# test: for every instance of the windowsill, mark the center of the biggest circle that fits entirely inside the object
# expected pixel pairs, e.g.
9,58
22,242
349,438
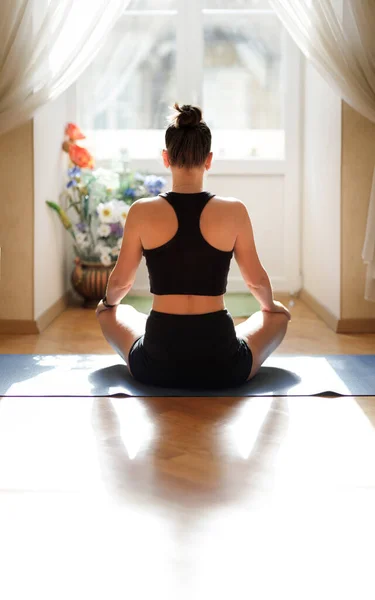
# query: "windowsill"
220,166
234,152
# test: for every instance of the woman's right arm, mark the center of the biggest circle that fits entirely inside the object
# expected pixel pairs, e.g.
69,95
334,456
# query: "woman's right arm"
252,270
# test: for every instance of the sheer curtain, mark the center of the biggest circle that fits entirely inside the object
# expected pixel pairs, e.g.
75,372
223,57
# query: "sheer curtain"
338,37
120,57
45,45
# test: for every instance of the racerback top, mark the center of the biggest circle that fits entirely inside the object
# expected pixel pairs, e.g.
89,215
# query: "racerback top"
187,263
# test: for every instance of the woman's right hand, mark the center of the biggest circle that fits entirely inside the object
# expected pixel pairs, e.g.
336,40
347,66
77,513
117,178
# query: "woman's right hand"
277,307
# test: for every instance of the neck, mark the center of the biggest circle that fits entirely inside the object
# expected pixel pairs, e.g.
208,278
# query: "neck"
187,182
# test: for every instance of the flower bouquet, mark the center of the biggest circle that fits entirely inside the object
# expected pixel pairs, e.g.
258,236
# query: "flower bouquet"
95,203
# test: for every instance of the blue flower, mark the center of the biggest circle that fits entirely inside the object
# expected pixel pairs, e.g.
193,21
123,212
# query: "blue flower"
117,229
82,227
71,183
154,184
130,192
74,171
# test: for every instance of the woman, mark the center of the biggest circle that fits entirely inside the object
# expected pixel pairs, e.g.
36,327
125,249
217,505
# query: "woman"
188,237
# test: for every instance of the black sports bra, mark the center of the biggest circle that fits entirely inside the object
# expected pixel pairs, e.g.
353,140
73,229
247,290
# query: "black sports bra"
187,263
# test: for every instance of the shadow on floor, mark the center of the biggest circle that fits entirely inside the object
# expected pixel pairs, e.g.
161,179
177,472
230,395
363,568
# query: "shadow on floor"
269,380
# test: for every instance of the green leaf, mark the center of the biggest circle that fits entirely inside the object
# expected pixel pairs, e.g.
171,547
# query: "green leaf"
62,214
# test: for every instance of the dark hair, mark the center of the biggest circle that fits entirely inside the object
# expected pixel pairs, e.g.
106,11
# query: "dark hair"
187,138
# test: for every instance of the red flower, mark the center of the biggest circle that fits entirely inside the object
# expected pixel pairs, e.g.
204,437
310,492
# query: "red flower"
66,145
81,157
73,132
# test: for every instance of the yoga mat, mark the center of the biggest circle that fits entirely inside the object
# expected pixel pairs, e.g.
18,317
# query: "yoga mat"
107,375
239,305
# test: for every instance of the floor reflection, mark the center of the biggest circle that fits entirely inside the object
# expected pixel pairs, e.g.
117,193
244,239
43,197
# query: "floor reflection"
251,497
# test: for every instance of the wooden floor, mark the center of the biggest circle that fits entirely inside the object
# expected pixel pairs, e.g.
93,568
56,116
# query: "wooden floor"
187,498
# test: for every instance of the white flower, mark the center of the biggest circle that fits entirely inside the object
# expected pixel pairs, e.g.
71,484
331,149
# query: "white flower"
122,215
105,255
104,230
115,251
121,209
105,259
119,243
82,240
108,212
80,237
97,193
109,179
99,246
105,250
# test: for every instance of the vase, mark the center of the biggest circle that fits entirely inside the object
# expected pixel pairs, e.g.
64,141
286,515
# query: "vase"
90,280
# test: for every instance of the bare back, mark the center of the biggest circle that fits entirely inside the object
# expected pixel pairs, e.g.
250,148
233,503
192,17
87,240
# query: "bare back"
219,225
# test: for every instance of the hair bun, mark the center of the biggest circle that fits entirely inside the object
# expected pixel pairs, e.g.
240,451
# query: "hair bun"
187,115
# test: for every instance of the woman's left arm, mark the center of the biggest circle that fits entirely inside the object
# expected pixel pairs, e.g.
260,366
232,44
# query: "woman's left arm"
123,275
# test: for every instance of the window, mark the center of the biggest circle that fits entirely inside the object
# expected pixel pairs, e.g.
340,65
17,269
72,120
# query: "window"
242,86
228,56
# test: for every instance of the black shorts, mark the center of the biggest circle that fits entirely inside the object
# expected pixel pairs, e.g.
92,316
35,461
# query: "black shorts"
191,351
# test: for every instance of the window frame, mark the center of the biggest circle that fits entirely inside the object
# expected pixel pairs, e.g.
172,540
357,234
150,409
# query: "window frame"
189,74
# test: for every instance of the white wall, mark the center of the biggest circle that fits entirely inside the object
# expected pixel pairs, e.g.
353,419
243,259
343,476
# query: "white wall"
321,192
50,254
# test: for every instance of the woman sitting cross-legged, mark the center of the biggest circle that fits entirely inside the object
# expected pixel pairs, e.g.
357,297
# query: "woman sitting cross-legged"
188,237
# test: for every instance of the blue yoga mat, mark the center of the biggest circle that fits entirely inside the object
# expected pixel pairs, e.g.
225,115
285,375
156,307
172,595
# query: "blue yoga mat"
108,375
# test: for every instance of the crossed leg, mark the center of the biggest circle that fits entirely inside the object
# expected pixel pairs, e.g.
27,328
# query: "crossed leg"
263,332
121,327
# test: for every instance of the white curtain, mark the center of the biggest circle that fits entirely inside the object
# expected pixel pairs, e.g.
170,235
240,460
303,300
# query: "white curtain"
45,45
338,37
124,50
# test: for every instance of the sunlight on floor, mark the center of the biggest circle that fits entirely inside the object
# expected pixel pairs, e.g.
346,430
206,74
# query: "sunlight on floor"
81,493
135,427
247,424
62,374
331,444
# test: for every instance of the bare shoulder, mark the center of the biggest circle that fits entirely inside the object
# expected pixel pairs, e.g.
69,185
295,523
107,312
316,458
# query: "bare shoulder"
149,201
224,204
147,210
143,206
146,201
228,201
233,206
148,204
